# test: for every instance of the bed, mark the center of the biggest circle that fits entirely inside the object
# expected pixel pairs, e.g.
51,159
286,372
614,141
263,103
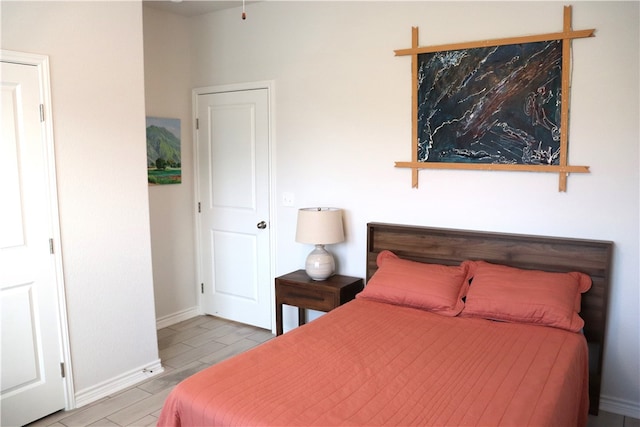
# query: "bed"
425,343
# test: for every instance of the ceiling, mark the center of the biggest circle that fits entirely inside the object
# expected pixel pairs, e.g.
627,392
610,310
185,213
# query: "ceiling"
193,7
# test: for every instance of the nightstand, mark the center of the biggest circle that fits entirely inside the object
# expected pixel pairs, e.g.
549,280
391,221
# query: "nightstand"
298,290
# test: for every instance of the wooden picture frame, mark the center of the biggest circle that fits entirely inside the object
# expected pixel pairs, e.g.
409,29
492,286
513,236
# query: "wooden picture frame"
497,104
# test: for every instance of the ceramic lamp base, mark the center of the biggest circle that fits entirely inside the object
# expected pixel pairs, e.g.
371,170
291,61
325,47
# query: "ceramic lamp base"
320,264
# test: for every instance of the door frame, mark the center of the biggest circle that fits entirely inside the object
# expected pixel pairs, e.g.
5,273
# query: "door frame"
269,85
41,62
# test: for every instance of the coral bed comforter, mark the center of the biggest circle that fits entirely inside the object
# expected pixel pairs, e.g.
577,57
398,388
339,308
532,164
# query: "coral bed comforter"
371,363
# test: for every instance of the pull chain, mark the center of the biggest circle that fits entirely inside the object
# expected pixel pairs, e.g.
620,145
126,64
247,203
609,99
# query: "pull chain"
244,14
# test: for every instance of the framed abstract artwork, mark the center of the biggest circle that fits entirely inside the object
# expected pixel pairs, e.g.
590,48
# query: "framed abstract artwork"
493,105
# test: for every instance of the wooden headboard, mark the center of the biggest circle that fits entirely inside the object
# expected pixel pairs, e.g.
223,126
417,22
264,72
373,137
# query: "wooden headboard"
450,247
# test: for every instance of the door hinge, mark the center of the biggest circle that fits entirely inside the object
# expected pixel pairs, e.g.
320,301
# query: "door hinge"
199,210
202,288
197,124
51,246
41,113
62,373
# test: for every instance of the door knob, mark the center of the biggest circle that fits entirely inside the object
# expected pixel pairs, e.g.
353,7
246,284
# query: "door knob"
262,225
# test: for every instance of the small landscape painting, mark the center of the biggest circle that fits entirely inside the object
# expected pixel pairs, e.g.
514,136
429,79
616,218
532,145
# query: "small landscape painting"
163,151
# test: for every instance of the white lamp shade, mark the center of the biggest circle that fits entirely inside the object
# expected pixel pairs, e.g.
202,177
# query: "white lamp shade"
319,226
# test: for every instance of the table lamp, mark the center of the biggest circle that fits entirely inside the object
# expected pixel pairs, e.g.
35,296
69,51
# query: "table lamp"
319,227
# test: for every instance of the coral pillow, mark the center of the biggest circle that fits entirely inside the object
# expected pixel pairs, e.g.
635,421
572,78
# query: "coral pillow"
432,287
510,294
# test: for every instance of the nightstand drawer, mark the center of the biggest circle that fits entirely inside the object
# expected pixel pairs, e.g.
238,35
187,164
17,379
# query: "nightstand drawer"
316,300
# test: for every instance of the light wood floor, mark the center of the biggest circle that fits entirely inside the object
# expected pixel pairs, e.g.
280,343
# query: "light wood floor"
186,348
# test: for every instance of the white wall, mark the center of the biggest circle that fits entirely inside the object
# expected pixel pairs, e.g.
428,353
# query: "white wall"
97,82
168,94
342,118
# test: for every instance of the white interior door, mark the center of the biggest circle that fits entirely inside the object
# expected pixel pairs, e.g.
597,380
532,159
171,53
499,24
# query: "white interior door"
32,383
233,193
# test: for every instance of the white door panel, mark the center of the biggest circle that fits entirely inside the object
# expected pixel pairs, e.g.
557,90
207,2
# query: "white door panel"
11,226
233,279
31,381
233,183
18,310
232,152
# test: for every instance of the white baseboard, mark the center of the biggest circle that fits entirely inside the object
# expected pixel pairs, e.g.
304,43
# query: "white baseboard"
116,384
178,317
620,406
